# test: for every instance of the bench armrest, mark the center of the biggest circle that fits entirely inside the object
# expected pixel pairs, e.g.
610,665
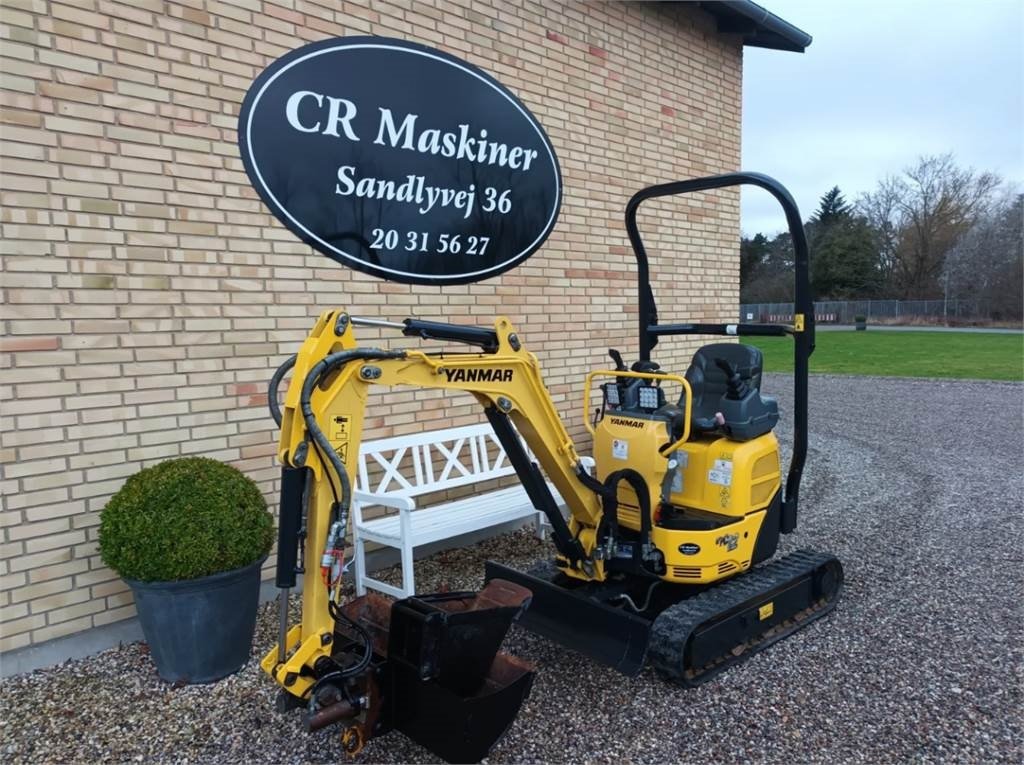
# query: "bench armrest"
387,500
404,505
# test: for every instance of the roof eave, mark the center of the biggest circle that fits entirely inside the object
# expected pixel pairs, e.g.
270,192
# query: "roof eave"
759,27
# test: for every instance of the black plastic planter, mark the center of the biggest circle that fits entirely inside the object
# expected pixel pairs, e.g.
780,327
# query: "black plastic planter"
200,630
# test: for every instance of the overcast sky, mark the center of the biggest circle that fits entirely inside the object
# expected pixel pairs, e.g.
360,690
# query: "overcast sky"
882,83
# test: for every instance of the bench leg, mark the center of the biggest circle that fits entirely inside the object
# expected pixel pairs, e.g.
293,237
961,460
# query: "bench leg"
360,555
408,583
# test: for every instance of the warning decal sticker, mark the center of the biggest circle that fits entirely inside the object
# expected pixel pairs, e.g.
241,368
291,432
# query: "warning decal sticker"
341,430
340,427
620,449
721,473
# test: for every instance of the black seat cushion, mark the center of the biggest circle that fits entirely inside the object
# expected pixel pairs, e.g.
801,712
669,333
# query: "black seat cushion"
709,384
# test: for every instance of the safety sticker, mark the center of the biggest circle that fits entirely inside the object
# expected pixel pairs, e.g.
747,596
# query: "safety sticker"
620,449
721,473
341,430
340,427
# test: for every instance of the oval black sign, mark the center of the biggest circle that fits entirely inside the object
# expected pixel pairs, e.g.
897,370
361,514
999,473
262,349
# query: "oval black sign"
689,548
400,160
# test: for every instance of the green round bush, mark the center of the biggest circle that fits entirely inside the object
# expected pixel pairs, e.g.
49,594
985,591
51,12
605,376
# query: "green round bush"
183,519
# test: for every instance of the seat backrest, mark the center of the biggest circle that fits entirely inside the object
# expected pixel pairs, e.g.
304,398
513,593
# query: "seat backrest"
709,383
435,460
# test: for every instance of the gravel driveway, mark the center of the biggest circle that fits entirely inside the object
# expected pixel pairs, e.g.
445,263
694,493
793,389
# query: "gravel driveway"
916,485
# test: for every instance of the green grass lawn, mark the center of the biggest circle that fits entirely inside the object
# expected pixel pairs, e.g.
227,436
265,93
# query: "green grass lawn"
966,355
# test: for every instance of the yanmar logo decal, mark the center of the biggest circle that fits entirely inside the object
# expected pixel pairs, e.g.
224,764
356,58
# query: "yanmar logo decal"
478,375
627,423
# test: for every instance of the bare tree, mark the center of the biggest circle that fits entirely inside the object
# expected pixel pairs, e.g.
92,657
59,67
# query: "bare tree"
879,208
987,263
921,215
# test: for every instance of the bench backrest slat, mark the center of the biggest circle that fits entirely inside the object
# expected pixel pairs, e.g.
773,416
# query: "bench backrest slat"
435,460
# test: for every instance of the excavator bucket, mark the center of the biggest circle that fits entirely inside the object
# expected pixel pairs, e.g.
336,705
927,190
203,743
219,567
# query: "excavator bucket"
446,684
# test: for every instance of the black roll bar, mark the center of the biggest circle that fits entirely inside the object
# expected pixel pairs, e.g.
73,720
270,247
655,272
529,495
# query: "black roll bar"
802,330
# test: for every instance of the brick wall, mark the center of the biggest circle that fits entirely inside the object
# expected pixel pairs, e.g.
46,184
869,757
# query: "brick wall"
147,294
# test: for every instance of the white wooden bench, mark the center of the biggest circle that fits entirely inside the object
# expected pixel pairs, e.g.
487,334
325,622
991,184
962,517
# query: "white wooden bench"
392,471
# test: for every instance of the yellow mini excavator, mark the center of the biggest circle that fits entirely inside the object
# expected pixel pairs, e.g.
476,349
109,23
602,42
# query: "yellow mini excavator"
664,559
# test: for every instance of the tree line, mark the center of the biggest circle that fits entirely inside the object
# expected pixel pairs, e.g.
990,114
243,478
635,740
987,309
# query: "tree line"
936,230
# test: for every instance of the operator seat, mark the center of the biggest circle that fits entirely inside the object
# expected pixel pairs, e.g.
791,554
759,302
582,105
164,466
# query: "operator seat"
746,414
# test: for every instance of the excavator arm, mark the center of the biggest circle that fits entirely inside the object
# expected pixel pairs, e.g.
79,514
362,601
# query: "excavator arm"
322,422
323,430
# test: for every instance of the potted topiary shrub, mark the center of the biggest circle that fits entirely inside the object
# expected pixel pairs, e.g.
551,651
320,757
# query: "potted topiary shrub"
189,537
861,322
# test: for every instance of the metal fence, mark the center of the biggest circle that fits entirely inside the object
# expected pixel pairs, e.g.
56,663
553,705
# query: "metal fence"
884,311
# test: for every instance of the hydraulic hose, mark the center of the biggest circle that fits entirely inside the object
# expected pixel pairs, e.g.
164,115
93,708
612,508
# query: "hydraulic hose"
319,370
647,600
608,491
275,383
339,675
324,367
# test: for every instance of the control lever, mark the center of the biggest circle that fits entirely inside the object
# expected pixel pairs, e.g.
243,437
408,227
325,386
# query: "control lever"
648,367
738,388
620,366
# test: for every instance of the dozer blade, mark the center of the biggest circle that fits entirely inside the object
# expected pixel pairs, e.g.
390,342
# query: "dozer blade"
448,688
569,616
695,637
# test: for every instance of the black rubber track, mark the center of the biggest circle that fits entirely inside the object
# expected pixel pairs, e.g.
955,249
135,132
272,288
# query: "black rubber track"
676,626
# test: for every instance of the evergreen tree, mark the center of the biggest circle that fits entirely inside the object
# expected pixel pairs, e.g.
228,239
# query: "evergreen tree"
831,209
766,269
844,261
753,253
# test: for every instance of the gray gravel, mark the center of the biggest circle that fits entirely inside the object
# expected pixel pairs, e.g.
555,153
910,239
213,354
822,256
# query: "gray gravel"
916,485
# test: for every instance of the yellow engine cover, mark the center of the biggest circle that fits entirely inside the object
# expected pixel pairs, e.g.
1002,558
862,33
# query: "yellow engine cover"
734,478
623,441
728,477
712,474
